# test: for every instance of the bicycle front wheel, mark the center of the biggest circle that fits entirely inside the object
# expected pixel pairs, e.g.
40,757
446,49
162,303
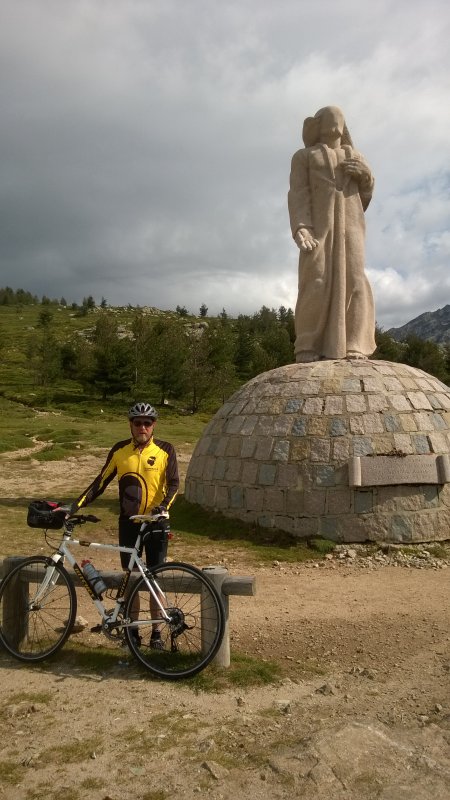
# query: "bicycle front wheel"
185,643
38,606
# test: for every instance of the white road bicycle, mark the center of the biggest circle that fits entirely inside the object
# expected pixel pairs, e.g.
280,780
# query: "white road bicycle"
38,605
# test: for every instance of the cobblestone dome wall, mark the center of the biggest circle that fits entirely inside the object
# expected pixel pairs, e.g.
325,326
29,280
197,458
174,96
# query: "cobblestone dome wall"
277,452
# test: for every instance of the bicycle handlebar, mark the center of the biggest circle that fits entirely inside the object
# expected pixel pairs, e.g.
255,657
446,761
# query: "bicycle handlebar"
150,517
80,519
74,519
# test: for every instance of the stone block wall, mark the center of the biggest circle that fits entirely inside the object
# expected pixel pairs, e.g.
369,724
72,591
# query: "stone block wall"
277,452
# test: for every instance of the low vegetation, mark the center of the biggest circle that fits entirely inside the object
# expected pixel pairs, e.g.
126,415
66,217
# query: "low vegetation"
194,525
66,357
71,431
75,358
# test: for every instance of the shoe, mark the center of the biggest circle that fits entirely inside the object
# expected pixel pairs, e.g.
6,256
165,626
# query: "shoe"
135,637
156,643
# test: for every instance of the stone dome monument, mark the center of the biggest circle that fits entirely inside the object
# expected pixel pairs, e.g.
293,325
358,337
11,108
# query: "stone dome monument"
334,445
351,451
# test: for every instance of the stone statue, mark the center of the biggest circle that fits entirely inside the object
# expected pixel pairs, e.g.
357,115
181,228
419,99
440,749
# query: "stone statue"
330,188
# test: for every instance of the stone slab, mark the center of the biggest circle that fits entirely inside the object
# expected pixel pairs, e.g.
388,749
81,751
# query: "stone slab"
394,470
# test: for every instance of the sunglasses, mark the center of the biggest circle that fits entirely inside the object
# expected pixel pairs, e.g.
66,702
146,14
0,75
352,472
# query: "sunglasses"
146,423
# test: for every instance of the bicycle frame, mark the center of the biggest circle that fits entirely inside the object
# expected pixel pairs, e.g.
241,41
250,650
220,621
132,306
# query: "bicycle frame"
135,563
170,616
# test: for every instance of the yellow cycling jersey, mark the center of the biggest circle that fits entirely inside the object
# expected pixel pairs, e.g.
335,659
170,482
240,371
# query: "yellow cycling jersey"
147,477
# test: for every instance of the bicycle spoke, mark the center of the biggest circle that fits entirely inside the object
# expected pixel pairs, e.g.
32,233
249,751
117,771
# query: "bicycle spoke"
32,629
189,640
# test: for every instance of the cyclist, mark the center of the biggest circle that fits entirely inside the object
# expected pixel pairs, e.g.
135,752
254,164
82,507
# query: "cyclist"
147,472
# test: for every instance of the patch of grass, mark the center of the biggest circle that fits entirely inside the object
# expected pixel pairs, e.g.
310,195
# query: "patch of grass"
247,671
21,426
439,550
164,730
244,672
308,668
191,525
29,697
10,772
193,522
87,425
56,452
91,783
270,713
59,442
90,659
13,440
72,752
16,538
322,546
49,792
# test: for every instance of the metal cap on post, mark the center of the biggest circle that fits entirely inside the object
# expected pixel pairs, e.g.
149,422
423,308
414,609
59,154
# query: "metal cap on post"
217,576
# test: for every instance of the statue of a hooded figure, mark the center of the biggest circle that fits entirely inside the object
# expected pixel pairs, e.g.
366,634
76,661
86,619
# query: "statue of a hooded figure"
331,186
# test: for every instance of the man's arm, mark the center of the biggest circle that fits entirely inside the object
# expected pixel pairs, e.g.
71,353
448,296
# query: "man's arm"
172,480
99,484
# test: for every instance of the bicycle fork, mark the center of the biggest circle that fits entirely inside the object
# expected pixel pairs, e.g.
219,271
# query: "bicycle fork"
49,581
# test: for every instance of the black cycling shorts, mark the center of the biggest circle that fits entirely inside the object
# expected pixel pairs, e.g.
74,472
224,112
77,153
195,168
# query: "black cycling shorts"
155,545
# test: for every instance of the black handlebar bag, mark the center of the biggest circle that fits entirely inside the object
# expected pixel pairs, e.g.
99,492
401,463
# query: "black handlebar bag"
41,514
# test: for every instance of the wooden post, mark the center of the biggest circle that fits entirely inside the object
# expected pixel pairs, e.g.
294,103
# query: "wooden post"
217,576
15,600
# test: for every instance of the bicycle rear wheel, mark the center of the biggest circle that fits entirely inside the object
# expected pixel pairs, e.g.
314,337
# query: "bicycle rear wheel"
193,634
38,606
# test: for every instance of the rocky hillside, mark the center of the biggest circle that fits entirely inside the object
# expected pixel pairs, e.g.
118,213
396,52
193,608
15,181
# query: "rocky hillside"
432,325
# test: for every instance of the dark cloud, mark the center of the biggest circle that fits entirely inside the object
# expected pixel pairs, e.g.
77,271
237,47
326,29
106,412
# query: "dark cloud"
145,147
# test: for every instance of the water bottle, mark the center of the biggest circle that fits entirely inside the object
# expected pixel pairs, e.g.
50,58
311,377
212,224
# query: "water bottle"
93,577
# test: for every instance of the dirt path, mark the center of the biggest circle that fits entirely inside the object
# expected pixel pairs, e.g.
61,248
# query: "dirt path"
363,710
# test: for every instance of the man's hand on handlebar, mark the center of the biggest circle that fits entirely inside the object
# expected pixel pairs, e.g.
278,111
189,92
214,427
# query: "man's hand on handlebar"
66,508
69,510
152,516
159,511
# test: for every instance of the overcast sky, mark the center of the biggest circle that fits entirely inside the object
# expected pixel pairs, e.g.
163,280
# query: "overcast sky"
145,146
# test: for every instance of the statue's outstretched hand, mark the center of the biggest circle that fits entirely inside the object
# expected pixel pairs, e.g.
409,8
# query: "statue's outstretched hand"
305,240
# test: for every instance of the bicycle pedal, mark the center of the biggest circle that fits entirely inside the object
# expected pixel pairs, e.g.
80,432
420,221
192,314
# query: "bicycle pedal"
97,629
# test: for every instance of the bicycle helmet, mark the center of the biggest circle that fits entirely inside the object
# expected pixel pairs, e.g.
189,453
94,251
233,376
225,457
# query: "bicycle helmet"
142,410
